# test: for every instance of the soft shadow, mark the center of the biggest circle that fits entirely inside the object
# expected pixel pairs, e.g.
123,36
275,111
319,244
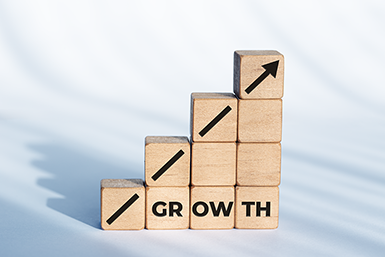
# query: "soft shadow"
77,177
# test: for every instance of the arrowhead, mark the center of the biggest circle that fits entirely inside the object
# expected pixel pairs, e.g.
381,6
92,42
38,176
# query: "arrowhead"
271,68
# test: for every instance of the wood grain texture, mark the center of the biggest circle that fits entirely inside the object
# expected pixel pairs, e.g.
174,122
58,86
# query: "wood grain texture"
248,67
258,164
114,194
203,199
159,151
205,107
260,120
247,200
213,164
158,204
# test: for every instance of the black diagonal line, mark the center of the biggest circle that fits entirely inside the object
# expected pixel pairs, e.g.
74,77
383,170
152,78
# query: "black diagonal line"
215,121
167,165
122,209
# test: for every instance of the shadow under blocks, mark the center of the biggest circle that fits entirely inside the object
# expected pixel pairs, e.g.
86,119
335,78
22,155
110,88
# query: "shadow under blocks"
75,176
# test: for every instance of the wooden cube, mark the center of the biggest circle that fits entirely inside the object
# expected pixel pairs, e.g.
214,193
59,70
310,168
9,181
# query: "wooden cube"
258,164
167,207
256,207
213,117
167,161
122,204
258,74
260,120
212,207
213,164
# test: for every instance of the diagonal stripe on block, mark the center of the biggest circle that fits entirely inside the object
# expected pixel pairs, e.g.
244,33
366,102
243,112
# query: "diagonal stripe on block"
214,122
168,164
122,209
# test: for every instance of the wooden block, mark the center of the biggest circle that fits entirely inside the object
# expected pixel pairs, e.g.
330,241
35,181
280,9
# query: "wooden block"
256,207
260,120
258,164
258,74
213,164
167,207
212,207
122,204
213,117
167,161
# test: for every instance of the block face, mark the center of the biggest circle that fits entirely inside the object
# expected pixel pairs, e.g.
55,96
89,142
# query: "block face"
213,117
122,204
256,207
258,164
258,67
260,120
167,161
213,164
212,207
167,207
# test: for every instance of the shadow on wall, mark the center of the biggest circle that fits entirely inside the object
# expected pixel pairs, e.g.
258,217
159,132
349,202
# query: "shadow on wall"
77,177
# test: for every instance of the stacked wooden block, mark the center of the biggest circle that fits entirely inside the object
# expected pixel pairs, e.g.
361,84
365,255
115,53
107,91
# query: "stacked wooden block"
258,82
227,175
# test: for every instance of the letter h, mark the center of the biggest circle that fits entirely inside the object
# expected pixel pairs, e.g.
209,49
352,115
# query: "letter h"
266,209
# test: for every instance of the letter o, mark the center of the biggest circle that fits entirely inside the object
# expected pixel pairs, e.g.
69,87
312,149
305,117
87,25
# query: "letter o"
205,209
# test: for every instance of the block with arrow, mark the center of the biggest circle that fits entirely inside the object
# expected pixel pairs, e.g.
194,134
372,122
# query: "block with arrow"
258,74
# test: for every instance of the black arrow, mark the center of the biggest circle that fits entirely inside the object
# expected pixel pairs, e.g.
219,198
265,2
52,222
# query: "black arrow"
270,68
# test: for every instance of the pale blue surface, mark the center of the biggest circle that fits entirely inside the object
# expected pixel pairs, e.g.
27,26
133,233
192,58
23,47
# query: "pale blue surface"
83,82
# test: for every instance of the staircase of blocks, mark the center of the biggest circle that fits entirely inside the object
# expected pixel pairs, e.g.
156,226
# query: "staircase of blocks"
226,174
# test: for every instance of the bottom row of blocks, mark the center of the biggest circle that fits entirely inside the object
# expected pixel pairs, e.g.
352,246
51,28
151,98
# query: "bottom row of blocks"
127,205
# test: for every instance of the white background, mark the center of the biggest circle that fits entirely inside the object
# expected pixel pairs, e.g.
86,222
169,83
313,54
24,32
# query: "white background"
83,82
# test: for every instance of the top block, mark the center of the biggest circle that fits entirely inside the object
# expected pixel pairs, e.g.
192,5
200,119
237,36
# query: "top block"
258,74
214,117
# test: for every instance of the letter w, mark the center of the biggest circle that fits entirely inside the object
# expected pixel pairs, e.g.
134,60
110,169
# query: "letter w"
221,207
